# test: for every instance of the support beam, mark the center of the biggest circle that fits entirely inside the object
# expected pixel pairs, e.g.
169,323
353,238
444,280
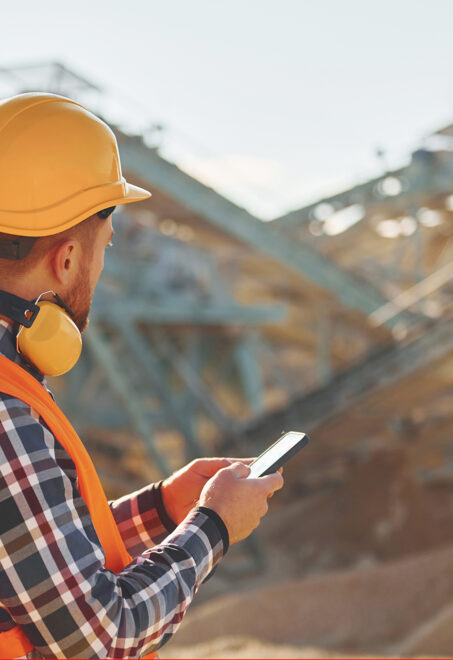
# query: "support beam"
193,381
359,194
147,164
128,396
414,295
324,362
424,175
250,373
180,311
144,354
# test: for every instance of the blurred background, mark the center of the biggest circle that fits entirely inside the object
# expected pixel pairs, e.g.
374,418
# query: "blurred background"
293,270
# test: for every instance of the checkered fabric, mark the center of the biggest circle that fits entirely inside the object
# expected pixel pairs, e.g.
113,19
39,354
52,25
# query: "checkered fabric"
52,580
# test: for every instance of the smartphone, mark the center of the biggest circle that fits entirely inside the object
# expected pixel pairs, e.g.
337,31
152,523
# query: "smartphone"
277,454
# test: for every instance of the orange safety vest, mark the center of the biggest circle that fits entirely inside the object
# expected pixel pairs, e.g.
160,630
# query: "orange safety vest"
18,383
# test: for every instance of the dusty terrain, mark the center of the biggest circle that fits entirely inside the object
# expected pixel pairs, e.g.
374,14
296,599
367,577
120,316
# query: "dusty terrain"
247,647
358,568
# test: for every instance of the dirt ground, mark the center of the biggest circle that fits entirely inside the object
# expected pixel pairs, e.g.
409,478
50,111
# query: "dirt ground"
247,647
358,567
381,610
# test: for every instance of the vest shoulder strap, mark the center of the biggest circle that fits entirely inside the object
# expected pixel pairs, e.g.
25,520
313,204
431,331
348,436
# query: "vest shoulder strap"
17,382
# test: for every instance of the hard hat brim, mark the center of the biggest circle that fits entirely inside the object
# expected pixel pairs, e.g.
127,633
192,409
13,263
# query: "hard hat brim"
46,222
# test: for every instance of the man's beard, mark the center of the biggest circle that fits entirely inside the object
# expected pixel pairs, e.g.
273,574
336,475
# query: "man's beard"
79,301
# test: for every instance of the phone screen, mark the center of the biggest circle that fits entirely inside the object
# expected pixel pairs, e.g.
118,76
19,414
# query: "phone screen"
271,456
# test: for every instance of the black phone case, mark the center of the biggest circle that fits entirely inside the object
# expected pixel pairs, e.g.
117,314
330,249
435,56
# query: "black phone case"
281,461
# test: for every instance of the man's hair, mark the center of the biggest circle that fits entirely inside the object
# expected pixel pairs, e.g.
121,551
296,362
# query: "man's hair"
85,232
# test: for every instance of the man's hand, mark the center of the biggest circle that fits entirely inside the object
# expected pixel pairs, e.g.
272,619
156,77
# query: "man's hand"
181,491
240,502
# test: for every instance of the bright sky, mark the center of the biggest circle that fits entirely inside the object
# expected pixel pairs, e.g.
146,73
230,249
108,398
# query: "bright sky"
273,102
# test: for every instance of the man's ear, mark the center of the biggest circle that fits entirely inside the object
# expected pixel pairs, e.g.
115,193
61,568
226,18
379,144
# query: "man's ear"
64,261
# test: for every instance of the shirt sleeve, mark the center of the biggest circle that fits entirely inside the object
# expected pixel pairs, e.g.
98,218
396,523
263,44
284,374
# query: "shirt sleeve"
142,519
52,577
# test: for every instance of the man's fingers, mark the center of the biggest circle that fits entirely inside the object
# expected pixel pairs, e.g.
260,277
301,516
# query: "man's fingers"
240,470
245,461
272,482
209,466
217,462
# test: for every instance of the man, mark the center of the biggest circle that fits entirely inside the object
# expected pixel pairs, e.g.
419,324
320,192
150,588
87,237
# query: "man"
79,577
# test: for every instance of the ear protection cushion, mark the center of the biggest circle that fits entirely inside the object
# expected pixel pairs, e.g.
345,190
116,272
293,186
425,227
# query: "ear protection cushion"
53,343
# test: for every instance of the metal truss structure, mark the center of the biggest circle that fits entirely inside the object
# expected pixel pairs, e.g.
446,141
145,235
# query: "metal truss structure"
212,325
402,242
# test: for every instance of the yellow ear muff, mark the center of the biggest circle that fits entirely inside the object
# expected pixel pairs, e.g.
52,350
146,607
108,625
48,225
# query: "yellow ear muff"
53,343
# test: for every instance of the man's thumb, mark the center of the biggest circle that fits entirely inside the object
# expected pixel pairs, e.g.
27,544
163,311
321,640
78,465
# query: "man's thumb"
240,470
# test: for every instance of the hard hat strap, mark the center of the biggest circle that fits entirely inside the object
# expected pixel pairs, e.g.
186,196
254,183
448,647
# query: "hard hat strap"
17,248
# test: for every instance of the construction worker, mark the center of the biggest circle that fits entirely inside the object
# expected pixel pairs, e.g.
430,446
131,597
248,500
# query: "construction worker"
80,577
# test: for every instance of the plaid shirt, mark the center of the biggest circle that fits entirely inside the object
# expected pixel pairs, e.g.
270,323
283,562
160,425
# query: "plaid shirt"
52,580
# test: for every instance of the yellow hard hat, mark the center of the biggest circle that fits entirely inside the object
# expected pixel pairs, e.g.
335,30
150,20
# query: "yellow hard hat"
59,164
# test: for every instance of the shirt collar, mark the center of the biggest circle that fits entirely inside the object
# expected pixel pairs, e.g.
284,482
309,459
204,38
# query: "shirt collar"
8,349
